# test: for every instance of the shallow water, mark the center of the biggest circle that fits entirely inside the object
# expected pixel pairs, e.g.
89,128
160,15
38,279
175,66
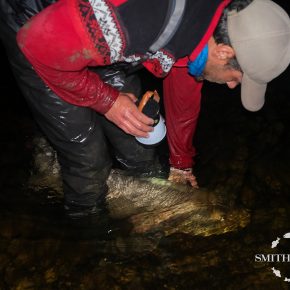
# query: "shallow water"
243,154
41,250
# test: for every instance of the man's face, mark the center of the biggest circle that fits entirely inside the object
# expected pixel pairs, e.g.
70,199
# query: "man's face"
218,68
221,74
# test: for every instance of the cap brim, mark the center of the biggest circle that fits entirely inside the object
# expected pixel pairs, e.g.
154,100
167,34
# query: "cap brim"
252,94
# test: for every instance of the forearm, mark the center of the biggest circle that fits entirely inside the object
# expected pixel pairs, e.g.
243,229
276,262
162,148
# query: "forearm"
61,58
81,88
182,105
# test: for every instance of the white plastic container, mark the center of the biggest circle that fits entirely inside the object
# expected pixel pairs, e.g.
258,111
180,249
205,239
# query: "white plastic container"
156,135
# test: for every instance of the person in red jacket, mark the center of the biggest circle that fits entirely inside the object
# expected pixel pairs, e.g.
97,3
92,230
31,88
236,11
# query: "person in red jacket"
217,40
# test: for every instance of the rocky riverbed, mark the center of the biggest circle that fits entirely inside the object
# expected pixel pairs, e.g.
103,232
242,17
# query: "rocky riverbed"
241,154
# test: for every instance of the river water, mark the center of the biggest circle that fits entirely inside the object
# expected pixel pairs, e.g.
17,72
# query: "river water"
243,154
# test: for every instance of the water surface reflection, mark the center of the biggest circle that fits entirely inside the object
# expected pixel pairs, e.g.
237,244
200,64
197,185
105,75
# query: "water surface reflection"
243,155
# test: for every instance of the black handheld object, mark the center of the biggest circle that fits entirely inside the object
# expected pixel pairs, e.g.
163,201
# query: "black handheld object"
151,109
149,105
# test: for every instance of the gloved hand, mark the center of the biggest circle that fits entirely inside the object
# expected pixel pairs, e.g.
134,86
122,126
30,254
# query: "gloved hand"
183,176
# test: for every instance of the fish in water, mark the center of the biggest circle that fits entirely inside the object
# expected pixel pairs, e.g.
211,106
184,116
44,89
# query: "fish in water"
159,205
151,205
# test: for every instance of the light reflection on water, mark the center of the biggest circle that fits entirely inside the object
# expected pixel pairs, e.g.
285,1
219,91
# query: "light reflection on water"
245,154
40,249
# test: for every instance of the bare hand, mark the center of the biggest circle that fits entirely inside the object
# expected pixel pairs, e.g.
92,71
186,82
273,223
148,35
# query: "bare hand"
183,176
125,114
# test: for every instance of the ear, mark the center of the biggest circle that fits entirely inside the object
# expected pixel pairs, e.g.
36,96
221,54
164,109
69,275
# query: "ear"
223,52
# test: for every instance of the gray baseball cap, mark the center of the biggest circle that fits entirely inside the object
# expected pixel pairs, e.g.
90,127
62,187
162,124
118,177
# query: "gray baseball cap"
260,36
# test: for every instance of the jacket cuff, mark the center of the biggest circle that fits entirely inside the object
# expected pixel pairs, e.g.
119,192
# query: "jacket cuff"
107,100
181,162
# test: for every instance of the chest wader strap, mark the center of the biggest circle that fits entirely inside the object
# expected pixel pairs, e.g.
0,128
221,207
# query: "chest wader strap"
173,19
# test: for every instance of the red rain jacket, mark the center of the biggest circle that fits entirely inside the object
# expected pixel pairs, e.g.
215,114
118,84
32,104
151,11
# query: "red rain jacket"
69,36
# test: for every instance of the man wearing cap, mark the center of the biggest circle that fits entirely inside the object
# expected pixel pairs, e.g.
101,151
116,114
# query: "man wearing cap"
251,46
183,42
